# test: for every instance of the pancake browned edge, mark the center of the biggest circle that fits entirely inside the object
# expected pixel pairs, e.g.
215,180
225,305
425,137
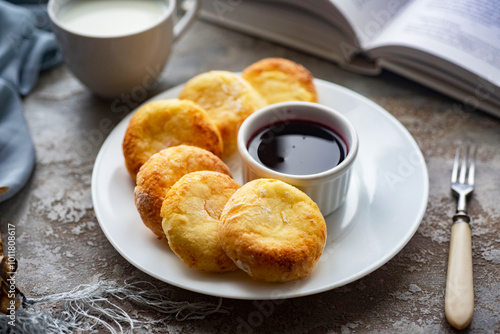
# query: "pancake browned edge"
165,123
280,80
272,231
162,171
228,100
191,212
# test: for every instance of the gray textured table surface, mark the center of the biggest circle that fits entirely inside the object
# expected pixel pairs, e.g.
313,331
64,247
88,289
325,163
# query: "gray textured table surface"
60,244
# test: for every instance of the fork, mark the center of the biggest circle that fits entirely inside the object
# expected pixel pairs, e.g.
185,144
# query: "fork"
459,297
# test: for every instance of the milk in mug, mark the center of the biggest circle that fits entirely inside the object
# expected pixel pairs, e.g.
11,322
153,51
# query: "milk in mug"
108,18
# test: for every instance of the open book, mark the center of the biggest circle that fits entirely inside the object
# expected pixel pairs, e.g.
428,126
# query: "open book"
448,45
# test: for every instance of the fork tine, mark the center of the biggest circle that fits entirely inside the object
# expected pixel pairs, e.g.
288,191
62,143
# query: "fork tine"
454,172
472,166
463,166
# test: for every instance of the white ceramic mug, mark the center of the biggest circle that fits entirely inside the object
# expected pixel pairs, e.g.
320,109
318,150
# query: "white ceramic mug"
328,188
119,62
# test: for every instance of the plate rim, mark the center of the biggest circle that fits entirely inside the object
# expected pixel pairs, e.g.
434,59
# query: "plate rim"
359,274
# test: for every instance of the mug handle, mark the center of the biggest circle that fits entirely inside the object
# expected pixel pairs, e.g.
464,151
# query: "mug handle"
187,19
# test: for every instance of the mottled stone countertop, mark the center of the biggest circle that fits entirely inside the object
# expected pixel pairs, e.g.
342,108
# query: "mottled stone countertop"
60,244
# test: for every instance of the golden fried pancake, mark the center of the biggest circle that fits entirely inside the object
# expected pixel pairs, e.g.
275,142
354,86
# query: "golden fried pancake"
191,212
161,172
280,80
227,98
272,231
161,124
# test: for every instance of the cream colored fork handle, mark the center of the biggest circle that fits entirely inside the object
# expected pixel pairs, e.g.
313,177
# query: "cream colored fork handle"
459,297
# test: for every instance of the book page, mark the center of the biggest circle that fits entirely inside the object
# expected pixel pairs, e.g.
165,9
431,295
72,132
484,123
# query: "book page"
368,18
296,25
272,20
465,33
324,9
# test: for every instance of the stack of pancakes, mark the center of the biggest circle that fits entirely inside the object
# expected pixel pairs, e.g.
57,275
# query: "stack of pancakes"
184,191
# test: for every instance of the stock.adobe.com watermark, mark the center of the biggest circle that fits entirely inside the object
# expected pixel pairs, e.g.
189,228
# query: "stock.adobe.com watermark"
120,106
264,309
404,169
221,7
11,267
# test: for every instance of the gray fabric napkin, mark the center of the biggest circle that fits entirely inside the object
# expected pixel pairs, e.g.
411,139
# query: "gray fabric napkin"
25,50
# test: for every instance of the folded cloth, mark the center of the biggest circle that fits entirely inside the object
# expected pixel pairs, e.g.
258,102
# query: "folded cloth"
25,50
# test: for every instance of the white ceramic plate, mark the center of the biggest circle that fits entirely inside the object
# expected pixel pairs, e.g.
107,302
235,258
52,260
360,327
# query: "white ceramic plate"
385,204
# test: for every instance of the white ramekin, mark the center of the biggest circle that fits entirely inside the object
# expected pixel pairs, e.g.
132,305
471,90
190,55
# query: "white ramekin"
329,188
